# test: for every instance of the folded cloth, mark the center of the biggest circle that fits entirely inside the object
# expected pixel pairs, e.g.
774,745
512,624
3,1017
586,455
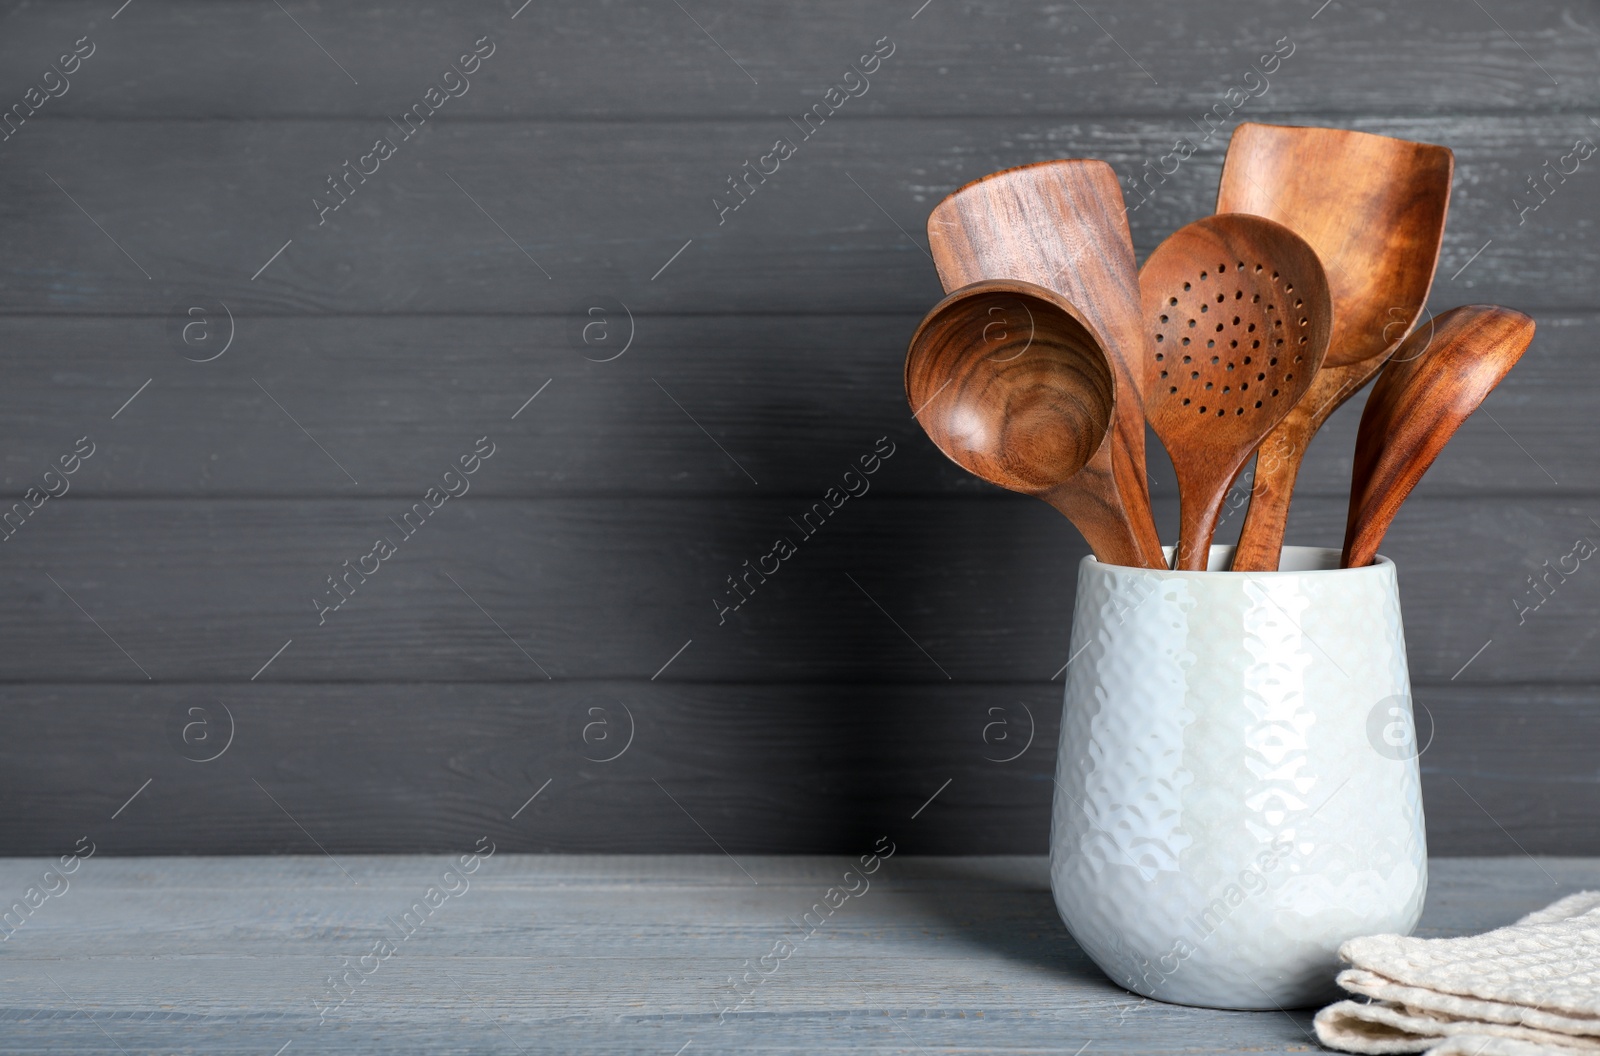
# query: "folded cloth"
1529,989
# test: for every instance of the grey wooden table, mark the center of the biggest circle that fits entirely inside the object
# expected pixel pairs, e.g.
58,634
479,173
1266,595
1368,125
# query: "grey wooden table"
608,954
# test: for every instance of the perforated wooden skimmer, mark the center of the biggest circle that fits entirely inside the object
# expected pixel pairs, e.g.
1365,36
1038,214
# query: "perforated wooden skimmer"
1238,315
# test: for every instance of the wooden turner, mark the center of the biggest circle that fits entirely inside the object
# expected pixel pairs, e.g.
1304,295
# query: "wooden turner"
1062,225
1238,312
1373,208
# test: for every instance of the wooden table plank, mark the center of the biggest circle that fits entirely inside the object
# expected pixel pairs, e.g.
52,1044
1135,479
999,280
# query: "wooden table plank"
601,206
393,398
184,58
612,588
613,954
408,768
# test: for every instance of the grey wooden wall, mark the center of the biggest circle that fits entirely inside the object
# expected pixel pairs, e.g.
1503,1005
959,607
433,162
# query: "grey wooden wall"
553,630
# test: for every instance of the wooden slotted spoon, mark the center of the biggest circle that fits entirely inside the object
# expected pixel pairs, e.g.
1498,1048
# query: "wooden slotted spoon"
1373,208
1438,377
1238,313
1062,225
1013,385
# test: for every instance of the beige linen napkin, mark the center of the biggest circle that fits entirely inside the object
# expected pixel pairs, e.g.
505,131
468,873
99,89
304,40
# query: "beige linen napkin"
1529,989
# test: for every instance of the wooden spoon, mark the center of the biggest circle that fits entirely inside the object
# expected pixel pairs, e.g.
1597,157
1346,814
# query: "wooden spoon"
1373,208
1438,377
1063,226
1239,313
1013,385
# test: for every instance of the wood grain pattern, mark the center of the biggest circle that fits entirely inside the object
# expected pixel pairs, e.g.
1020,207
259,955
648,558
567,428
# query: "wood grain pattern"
1011,383
197,58
1062,225
209,591
392,398
766,768
1435,380
1238,315
600,955
1373,208
203,204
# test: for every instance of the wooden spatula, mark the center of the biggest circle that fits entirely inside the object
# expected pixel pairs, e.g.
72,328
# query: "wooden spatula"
1373,208
1062,225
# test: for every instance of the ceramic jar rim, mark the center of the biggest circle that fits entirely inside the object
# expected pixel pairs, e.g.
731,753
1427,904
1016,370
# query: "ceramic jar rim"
1325,553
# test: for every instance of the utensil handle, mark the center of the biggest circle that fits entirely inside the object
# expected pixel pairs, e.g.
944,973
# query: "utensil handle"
1200,496
1278,462
1093,502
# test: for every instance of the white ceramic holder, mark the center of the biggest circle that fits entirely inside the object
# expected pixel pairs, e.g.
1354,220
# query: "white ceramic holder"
1237,789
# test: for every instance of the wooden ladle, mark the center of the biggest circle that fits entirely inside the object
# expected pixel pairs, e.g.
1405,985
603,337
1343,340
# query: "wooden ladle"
1063,226
1238,312
1013,385
1373,208
1435,380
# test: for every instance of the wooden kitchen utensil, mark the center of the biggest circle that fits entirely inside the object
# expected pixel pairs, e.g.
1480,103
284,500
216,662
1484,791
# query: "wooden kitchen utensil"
1012,384
1238,313
1373,208
1439,376
1063,226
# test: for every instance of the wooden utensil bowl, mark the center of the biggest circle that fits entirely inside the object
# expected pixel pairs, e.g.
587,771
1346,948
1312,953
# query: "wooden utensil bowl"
1012,388
1231,347
1219,350
1237,342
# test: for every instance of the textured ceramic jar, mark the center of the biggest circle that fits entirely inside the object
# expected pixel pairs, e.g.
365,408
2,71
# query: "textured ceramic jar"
1237,789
